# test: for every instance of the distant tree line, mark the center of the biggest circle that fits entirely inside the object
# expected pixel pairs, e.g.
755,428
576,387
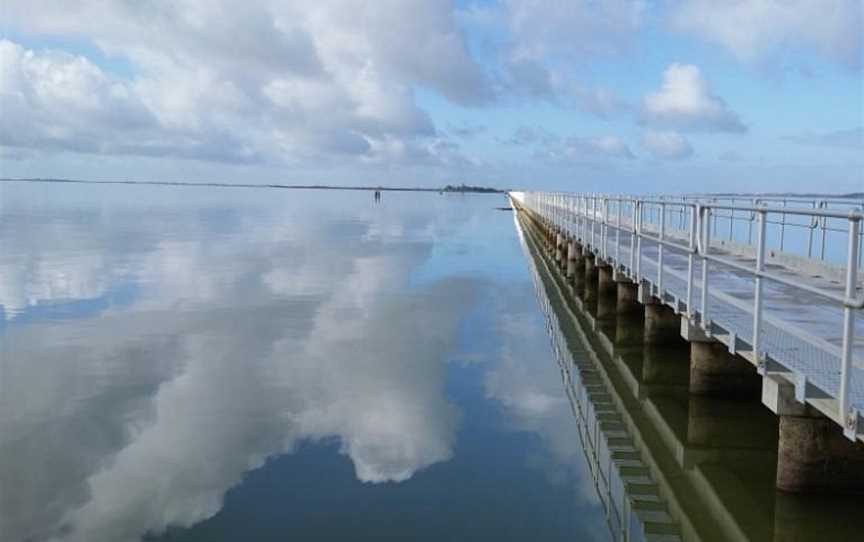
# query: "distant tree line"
468,188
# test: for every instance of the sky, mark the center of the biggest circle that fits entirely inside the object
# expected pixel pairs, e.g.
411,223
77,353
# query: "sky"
620,96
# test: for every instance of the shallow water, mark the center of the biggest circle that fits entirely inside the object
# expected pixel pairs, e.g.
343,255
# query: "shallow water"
241,364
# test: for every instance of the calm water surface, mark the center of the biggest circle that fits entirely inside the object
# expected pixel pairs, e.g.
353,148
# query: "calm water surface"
201,364
228,364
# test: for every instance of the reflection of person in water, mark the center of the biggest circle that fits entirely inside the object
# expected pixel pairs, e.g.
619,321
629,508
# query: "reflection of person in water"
377,196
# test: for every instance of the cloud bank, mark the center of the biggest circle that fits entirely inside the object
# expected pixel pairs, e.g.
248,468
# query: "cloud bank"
760,29
265,82
685,102
667,145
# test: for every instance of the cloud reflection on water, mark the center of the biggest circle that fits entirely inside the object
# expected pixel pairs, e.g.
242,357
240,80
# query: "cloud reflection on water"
245,330
143,416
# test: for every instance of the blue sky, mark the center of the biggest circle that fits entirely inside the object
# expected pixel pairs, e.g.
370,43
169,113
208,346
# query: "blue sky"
615,95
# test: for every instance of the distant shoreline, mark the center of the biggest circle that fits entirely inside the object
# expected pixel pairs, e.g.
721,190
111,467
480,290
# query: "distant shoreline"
449,189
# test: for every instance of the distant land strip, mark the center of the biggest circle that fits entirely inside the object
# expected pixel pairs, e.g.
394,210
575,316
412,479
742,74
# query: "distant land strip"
448,188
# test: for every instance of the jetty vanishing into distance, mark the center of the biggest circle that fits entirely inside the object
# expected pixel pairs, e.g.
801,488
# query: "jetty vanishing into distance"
764,290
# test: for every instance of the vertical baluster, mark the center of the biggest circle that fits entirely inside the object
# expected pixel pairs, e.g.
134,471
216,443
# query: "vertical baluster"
606,229
757,297
706,239
690,262
754,203
824,236
618,234
849,419
731,224
633,212
638,242
660,248
783,227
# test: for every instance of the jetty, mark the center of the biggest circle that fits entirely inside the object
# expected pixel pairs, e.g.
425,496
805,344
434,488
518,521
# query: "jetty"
764,292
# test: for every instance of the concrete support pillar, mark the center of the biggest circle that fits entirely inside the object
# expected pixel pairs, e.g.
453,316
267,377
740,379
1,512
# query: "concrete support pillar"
590,266
606,310
662,325
813,456
590,284
664,366
628,300
605,284
571,260
565,256
559,242
629,329
716,372
578,279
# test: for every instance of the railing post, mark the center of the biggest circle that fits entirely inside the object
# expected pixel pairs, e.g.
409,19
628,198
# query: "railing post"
824,231
577,204
705,226
757,297
618,234
585,223
633,214
606,229
783,228
660,247
848,417
754,203
690,262
638,230
732,224
555,210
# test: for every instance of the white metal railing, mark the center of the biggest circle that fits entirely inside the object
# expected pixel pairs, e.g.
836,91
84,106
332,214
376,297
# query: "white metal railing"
793,242
812,231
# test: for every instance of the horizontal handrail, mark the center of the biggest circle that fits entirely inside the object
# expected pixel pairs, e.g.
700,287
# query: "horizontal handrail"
850,214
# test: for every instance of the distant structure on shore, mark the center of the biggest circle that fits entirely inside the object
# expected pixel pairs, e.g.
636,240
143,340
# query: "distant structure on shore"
449,188
467,188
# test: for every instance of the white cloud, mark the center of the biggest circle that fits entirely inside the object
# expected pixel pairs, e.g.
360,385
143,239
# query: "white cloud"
261,82
600,102
546,37
667,145
758,29
531,78
530,135
852,138
685,102
555,147
543,28
602,146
